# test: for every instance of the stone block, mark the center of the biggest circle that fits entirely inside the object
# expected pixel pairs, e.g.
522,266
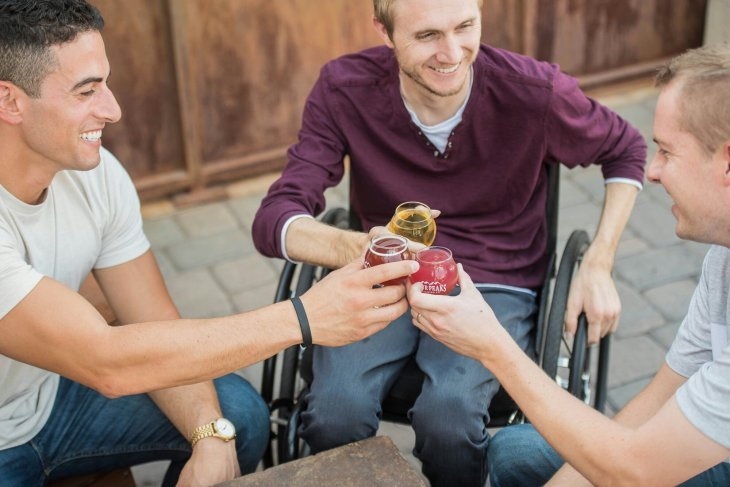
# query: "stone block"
204,251
375,462
633,359
206,220
658,267
197,295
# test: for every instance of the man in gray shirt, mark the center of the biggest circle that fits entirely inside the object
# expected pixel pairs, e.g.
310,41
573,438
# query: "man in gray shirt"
677,430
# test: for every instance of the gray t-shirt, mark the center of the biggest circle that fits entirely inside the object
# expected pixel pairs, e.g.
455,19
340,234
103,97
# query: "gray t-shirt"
89,220
701,352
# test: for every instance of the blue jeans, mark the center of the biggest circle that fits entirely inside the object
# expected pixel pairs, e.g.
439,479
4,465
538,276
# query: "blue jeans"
520,457
450,415
87,432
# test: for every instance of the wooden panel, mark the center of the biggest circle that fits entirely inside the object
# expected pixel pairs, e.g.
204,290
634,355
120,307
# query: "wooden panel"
148,138
503,24
591,36
251,64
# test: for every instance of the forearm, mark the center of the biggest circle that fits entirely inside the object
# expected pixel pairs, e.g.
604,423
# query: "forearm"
188,407
618,203
314,242
197,349
145,355
571,427
639,410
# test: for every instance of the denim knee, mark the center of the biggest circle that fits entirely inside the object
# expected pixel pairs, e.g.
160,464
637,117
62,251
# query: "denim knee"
338,419
519,456
247,410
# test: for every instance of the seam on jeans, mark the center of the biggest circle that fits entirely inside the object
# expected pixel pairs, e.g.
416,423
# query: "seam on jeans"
162,448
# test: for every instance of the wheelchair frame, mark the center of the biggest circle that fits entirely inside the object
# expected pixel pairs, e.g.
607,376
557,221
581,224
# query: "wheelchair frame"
581,370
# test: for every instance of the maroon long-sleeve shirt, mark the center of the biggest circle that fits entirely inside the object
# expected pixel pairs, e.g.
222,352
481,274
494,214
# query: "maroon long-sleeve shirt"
490,183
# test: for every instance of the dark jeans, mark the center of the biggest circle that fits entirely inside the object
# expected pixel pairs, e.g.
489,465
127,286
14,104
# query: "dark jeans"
520,457
450,415
88,432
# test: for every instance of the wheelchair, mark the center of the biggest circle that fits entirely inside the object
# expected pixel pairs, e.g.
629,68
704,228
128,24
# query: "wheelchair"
578,368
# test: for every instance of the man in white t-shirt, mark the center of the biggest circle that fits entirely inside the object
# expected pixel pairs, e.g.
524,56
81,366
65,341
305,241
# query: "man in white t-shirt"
72,388
677,430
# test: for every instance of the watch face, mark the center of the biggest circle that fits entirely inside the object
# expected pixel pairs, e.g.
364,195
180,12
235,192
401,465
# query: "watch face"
225,427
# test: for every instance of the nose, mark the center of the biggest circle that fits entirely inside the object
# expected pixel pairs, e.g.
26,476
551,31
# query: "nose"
108,108
450,50
653,172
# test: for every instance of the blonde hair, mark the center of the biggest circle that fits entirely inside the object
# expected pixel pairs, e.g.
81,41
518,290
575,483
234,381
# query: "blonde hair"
704,77
383,12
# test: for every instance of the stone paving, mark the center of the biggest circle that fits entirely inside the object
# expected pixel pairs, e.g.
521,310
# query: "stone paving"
212,268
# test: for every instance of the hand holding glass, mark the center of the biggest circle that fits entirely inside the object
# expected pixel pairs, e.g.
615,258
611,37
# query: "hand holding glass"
413,220
384,249
437,270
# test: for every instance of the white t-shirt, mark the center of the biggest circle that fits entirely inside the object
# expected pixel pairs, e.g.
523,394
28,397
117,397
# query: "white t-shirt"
89,219
701,352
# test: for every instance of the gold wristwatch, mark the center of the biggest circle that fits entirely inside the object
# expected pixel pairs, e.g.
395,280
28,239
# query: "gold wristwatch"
220,428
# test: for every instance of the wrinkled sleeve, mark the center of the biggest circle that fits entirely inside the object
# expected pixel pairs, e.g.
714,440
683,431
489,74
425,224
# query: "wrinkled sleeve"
692,345
703,399
314,164
123,237
17,277
580,131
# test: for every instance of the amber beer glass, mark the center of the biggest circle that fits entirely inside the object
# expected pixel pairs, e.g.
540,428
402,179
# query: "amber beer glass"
384,249
437,270
413,220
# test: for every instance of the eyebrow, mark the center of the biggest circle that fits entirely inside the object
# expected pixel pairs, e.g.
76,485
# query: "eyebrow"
435,29
89,80
86,81
662,143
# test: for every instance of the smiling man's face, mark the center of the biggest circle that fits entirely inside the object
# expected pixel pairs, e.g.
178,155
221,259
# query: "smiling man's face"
697,182
436,42
63,126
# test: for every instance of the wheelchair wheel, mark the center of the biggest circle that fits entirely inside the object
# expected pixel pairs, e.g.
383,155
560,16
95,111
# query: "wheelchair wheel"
586,374
294,280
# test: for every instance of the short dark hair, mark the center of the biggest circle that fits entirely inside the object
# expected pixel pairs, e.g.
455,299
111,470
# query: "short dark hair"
29,28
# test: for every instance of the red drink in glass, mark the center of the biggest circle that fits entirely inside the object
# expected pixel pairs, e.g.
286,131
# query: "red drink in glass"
384,249
437,271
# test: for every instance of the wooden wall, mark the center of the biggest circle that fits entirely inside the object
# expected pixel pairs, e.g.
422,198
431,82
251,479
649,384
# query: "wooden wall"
212,90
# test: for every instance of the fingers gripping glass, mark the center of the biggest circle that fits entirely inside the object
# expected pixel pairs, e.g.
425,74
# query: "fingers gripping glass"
384,249
437,270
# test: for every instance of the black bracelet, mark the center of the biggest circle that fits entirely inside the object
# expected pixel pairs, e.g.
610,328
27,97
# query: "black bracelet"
303,322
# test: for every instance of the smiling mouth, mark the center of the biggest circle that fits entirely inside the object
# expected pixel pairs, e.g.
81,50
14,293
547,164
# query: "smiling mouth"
450,70
93,135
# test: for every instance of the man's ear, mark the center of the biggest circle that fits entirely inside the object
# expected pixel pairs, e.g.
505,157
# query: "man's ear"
382,32
9,107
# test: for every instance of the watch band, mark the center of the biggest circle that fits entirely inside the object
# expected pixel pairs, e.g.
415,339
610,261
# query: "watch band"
201,432
220,428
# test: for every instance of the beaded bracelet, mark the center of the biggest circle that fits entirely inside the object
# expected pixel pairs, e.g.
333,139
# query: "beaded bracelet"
303,322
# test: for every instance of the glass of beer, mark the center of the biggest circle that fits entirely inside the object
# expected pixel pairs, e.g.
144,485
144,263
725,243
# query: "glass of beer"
413,220
387,248
437,272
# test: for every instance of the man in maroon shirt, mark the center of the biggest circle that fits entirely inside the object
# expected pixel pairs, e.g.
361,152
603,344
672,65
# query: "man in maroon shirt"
434,116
